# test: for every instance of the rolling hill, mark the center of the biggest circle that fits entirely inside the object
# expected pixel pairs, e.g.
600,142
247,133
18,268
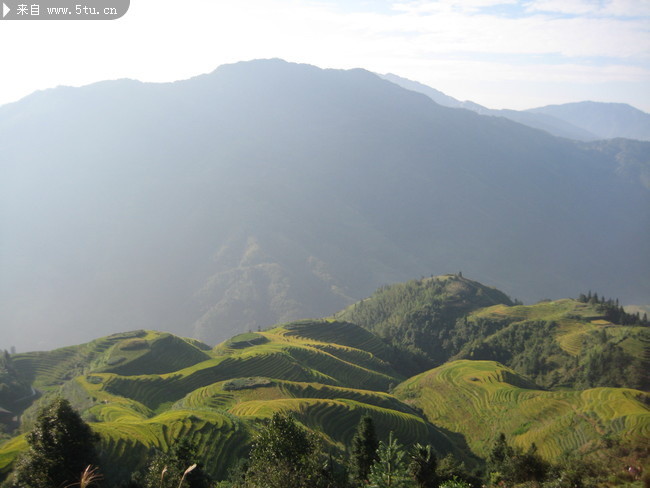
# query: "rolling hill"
503,367
480,399
216,397
267,191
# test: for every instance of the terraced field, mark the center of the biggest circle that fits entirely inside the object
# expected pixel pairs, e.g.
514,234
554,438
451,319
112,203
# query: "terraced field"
220,439
138,352
8,452
144,389
338,419
226,394
575,323
273,360
560,344
480,399
335,332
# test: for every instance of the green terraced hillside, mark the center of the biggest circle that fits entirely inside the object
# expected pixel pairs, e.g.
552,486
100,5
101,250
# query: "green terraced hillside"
142,390
129,353
480,399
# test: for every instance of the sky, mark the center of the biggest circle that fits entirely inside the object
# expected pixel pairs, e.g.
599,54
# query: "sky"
498,53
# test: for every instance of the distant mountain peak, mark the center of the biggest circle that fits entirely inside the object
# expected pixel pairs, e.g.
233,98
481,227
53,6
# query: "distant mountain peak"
268,191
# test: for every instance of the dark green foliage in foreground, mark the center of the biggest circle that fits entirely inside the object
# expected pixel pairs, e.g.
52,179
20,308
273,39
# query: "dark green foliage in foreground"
167,469
61,446
284,455
364,450
390,469
508,465
423,466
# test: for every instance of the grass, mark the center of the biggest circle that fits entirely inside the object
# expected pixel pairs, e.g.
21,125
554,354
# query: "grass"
337,419
479,399
242,341
335,332
154,354
8,452
220,438
219,396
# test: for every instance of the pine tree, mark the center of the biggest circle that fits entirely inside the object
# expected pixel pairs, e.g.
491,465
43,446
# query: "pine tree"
423,466
61,446
364,450
500,456
389,470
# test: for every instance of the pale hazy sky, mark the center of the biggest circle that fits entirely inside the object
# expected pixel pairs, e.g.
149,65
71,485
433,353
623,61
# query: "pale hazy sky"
499,53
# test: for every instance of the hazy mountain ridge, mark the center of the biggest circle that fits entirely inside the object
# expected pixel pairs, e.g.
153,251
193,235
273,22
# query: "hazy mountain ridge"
583,121
606,120
267,191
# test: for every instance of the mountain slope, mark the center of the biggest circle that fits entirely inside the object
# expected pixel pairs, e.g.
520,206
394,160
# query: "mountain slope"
480,399
326,374
268,191
421,315
582,121
536,119
563,343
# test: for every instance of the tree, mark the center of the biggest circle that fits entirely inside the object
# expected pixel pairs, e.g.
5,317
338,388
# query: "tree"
499,464
284,455
450,470
364,450
389,469
511,464
61,447
167,469
529,465
423,466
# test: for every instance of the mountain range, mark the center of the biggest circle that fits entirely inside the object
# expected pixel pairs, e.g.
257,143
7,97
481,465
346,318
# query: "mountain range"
585,121
268,191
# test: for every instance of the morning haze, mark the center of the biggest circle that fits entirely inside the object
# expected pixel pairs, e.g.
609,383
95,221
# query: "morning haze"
268,191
